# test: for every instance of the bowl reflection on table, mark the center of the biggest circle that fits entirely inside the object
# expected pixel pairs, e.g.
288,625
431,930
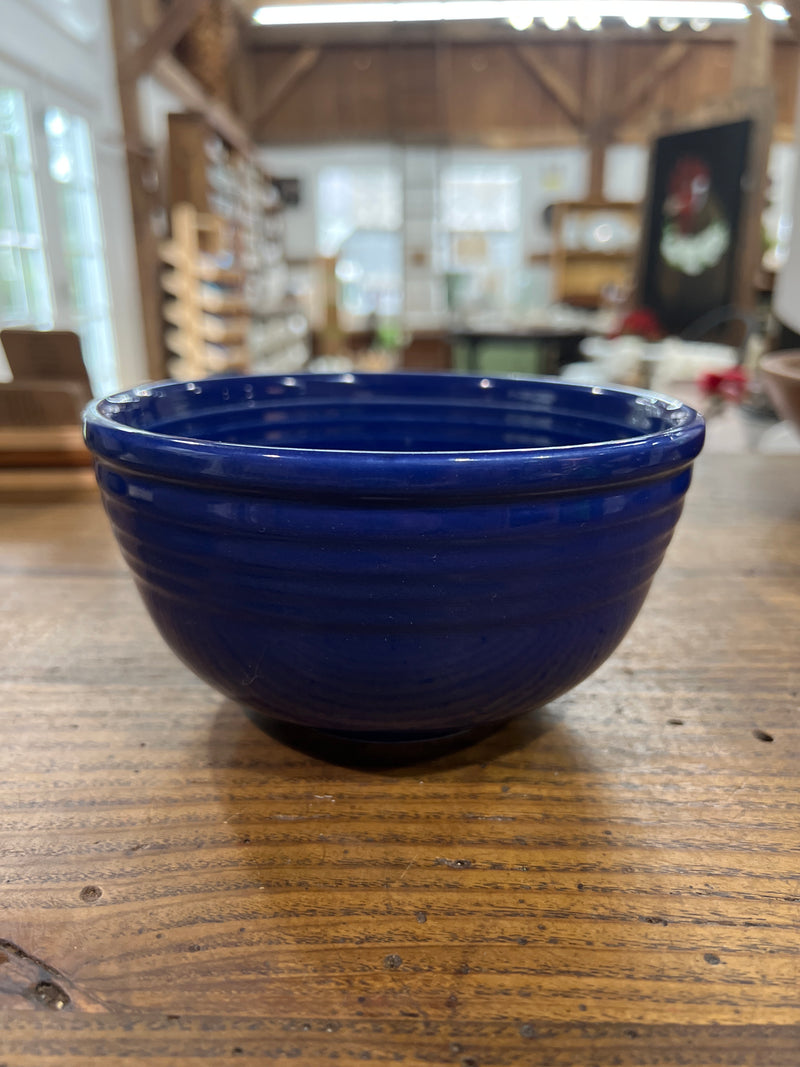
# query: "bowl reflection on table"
392,556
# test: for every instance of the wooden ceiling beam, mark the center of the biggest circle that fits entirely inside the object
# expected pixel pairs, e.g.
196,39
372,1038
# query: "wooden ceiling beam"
289,75
160,39
175,77
642,87
597,123
552,81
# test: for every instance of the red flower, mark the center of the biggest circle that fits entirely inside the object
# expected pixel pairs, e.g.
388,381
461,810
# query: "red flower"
726,385
640,322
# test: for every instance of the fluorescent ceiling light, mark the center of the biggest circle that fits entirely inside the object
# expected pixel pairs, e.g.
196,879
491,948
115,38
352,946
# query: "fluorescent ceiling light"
588,18
522,18
556,14
775,12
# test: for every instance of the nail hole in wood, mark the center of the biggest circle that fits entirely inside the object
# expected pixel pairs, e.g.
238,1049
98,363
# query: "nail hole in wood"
51,995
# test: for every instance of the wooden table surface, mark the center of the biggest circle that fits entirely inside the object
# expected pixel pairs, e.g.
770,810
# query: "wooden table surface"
614,880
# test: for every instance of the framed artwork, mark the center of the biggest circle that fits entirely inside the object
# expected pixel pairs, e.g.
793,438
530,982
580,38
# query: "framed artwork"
288,190
702,216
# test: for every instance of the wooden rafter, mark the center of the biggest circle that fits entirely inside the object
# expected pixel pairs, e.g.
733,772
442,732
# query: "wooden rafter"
175,77
290,74
443,81
753,53
552,80
642,87
160,39
597,119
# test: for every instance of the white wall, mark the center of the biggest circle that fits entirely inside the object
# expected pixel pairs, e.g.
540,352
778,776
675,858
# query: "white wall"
155,104
547,175
780,193
305,164
625,171
66,49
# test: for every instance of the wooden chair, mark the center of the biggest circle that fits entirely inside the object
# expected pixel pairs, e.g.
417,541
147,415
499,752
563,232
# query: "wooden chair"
46,357
40,410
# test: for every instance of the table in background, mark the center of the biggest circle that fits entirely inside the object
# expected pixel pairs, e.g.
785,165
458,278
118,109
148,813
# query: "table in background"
549,346
612,880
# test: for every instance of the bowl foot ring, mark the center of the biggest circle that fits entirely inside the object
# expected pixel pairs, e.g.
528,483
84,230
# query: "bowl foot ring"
354,749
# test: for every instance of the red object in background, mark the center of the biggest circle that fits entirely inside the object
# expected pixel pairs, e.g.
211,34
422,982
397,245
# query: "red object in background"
687,195
726,385
640,323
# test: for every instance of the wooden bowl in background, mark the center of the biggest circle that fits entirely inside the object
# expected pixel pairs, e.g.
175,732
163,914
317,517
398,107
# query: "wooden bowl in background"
781,372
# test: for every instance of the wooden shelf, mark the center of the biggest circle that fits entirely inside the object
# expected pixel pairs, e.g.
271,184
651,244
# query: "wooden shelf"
205,339
198,266
217,300
581,273
217,352
599,256
214,363
220,329
46,483
226,252
56,446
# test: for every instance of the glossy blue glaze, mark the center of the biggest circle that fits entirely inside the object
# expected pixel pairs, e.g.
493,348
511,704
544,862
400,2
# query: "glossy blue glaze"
392,554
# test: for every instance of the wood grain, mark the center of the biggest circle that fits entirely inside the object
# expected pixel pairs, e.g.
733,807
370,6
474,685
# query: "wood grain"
613,880
402,91
282,82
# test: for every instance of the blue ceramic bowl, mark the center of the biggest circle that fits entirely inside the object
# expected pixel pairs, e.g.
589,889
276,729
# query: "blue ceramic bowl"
392,556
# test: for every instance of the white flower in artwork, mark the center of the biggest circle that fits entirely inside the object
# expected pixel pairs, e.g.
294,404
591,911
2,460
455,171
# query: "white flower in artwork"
693,253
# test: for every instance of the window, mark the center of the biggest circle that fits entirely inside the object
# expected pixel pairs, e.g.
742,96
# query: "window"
359,219
71,166
480,219
25,298
481,198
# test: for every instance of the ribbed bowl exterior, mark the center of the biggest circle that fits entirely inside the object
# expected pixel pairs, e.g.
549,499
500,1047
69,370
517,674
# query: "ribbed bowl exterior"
378,614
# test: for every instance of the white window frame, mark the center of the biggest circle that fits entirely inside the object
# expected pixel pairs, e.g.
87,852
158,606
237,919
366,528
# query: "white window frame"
38,97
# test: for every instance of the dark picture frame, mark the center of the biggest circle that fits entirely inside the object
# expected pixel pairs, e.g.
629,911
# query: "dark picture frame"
288,190
701,234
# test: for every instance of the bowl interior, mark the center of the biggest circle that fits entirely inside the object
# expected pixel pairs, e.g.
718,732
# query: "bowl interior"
393,413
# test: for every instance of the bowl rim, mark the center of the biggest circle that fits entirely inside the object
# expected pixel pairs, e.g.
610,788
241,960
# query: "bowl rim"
507,472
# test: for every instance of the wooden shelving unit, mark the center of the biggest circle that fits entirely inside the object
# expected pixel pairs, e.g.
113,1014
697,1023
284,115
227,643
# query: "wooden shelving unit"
205,312
226,306
595,244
